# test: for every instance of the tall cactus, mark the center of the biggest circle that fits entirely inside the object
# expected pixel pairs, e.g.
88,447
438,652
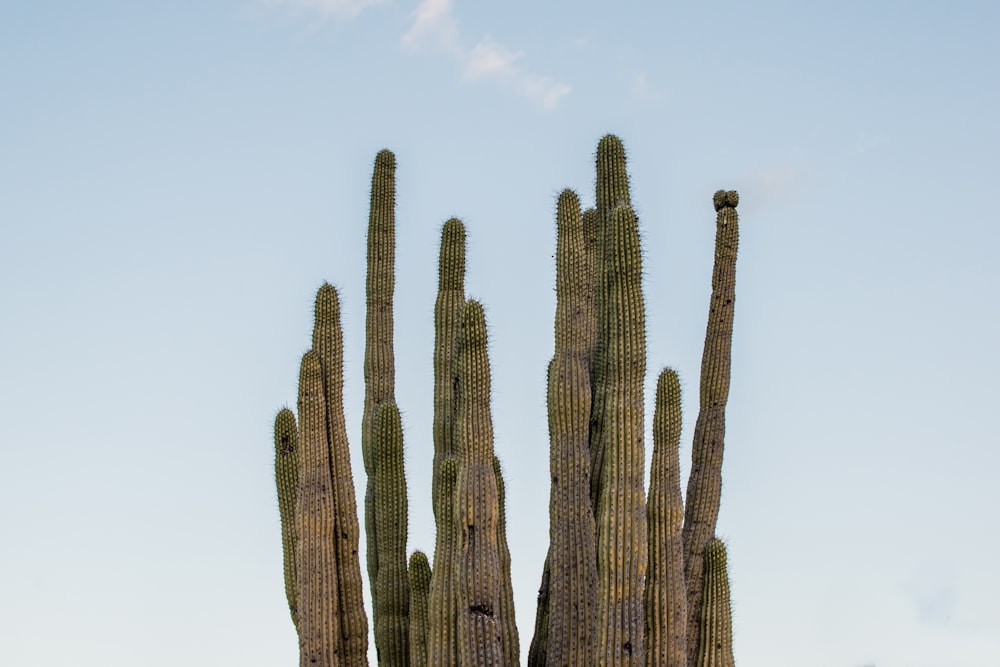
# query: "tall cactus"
666,601
448,306
621,516
704,489
392,630
572,561
477,564
328,343
715,639
318,594
380,373
286,477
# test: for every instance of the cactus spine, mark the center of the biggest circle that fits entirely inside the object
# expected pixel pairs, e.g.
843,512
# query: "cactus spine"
715,642
477,565
420,584
392,631
318,595
286,477
705,481
328,343
380,374
666,601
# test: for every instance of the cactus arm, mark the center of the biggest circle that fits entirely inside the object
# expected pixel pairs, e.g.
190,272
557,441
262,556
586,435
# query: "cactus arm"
420,583
715,640
286,477
666,596
705,481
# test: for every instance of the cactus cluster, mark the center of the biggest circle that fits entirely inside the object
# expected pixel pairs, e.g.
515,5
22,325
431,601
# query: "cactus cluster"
630,578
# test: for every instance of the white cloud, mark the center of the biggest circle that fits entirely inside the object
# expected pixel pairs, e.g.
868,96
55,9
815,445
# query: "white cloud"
490,58
342,9
435,25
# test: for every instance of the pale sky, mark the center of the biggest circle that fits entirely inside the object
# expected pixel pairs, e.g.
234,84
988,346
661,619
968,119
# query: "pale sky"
177,179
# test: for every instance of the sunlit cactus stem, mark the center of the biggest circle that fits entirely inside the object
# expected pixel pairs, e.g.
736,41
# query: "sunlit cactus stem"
704,489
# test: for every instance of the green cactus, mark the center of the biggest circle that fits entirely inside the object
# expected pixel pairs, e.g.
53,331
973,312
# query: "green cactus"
392,631
447,311
705,481
318,595
572,562
596,603
286,477
380,373
477,563
420,584
328,343
612,190
666,596
715,639
621,518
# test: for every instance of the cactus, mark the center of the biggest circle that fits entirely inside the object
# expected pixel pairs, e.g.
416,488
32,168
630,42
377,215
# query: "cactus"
286,477
318,595
621,517
380,373
447,311
715,639
572,561
477,562
705,481
420,584
328,343
666,597
598,602
392,630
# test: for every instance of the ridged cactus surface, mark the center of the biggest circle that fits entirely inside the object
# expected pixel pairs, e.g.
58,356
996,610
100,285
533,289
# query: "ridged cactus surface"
666,595
442,605
704,489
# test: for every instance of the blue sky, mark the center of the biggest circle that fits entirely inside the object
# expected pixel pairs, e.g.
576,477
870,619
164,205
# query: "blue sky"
177,179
